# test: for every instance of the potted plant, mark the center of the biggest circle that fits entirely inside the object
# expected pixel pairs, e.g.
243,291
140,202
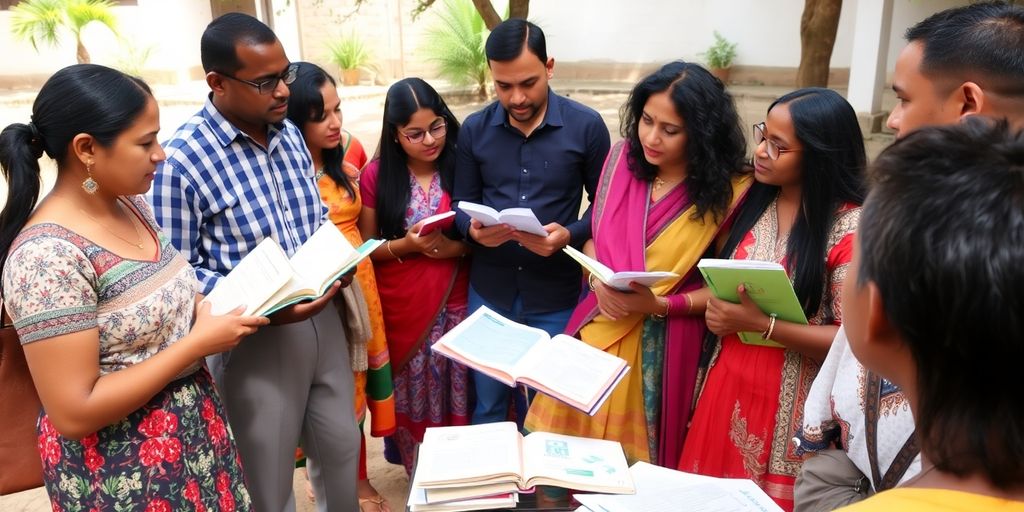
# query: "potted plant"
351,55
720,56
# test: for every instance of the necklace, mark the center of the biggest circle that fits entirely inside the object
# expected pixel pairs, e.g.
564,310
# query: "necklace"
659,183
137,243
320,173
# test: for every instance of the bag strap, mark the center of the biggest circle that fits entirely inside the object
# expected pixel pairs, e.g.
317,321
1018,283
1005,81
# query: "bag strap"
904,458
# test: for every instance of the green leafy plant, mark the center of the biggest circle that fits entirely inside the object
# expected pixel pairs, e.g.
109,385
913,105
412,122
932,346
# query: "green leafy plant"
350,52
133,57
43,21
455,43
721,53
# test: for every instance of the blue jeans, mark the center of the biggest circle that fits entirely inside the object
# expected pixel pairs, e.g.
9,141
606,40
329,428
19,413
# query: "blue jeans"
492,396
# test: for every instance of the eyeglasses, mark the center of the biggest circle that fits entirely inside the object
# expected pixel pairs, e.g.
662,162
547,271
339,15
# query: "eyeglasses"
773,150
436,132
268,85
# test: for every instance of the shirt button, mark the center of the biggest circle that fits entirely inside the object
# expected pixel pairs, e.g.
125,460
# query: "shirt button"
525,171
524,197
519,268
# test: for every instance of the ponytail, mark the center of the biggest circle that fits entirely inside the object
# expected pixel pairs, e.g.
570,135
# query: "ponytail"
21,146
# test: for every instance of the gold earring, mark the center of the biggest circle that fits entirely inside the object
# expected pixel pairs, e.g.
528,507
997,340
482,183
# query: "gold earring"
89,185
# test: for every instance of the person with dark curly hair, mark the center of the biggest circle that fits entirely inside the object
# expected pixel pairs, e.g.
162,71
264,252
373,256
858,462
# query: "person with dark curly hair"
664,194
802,212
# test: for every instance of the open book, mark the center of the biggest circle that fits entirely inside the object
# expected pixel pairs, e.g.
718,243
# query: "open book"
523,219
497,453
562,366
437,222
767,284
266,280
618,280
661,489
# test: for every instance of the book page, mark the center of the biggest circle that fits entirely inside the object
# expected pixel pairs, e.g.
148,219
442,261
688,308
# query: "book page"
468,453
576,462
620,280
315,263
593,266
660,489
491,340
484,214
256,278
523,219
572,370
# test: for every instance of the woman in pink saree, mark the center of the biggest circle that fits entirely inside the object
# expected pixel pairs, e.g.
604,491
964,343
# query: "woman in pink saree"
663,197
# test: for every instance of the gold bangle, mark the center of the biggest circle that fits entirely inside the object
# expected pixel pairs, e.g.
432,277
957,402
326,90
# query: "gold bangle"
767,334
689,304
590,281
393,255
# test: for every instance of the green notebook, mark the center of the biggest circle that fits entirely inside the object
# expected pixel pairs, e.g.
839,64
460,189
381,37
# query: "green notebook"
766,283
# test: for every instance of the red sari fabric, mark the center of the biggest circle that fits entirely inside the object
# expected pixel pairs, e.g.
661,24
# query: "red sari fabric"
751,402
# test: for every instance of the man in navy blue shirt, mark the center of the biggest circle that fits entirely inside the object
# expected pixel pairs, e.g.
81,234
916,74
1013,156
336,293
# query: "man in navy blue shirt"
530,149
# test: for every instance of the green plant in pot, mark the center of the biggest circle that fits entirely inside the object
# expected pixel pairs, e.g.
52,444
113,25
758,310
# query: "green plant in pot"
719,57
352,56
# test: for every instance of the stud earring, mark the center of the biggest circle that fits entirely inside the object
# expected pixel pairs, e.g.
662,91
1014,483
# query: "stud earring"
89,185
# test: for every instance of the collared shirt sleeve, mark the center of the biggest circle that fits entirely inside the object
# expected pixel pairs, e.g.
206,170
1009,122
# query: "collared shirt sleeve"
598,145
177,207
468,183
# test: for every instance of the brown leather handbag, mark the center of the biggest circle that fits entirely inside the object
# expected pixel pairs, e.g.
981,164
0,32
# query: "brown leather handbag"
20,465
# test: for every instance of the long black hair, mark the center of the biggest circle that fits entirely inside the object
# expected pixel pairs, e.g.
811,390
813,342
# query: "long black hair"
306,105
832,173
715,147
83,98
404,98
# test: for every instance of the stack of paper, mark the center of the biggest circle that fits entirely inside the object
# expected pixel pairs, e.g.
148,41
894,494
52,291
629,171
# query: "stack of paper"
665,490
485,466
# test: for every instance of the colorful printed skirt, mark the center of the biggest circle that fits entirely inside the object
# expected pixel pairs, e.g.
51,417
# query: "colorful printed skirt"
174,453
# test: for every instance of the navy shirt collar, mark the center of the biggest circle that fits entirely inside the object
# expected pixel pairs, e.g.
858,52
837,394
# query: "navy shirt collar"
552,116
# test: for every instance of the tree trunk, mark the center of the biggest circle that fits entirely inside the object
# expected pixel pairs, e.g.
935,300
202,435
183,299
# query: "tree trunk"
487,12
818,27
518,9
83,54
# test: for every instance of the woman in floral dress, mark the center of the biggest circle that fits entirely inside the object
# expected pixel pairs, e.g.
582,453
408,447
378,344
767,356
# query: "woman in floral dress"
107,311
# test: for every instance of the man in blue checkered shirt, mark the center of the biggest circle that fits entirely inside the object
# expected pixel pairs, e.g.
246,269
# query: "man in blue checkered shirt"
236,173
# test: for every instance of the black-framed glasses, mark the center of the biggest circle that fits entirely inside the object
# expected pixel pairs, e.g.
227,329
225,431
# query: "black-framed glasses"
773,149
436,131
268,85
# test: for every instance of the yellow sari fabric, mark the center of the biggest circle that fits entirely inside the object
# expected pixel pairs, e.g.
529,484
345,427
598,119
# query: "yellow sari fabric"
677,249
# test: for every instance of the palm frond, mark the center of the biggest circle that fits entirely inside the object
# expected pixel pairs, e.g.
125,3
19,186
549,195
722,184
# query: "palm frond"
38,21
83,12
455,43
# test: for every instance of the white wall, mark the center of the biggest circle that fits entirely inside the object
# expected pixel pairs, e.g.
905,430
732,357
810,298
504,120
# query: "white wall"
172,28
767,32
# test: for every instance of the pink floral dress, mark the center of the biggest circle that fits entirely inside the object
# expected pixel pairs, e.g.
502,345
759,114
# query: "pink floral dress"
174,453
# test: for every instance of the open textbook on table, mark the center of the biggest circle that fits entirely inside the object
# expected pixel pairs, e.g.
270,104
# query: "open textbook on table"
561,366
497,453
266,280
661,489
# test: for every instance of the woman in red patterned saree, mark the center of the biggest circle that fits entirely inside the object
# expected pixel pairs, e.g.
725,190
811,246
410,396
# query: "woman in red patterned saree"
802,213
422,280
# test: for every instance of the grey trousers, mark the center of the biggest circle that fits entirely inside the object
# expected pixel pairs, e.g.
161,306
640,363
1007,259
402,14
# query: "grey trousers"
288,384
